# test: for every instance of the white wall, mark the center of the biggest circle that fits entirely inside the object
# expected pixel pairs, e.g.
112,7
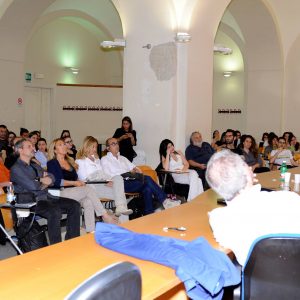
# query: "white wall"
62,43
100,124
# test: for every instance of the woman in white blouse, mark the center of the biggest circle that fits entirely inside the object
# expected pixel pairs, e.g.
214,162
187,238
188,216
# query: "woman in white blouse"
90,169
176,162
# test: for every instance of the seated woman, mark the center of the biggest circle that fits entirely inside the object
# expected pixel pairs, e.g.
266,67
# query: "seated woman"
70,147
41,154
294,145
250,154
216,140
175,161
282,154
273,144
126,137
64,168
264,142
89,168
9,149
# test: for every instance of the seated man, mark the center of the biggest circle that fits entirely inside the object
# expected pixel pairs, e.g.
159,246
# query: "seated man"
282,154
198,154
30,177
250,213
230,138
115,164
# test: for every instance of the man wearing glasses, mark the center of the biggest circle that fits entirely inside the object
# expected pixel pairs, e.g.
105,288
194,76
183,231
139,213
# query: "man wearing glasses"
115,164
282,154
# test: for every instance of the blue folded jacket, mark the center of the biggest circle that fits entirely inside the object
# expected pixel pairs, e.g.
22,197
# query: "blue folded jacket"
203,270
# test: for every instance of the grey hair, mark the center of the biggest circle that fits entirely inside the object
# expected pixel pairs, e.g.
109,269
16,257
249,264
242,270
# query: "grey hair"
227,174
193,133
19,144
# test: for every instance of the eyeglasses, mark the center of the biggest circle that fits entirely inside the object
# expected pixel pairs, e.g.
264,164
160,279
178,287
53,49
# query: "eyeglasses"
113,144
69,142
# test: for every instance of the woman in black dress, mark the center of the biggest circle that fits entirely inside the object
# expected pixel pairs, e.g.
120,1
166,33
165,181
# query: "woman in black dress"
126,137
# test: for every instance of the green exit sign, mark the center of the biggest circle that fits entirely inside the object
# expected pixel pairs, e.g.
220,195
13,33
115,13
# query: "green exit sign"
28,77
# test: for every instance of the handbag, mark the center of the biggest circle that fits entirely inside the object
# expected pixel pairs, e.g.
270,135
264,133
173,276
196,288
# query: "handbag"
133,176
25,198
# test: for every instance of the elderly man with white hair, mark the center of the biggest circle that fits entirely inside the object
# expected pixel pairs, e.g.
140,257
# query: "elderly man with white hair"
250,212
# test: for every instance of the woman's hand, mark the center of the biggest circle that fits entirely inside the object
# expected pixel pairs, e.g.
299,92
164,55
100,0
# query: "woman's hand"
109,184
79,183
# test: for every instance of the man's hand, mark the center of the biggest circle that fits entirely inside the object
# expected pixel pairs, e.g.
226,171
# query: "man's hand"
46,180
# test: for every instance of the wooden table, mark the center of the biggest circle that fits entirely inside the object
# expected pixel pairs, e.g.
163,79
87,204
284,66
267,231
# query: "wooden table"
54,271
271,180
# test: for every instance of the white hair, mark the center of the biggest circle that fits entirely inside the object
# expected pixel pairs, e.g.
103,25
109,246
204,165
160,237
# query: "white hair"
227,174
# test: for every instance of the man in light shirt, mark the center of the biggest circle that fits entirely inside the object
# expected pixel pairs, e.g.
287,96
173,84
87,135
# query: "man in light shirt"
250,212
115,164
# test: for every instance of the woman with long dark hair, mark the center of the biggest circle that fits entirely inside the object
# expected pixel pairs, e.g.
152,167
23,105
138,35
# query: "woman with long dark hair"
126,137
174,160
251,155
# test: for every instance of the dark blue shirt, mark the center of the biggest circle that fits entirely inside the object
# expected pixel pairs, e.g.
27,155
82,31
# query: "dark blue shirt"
198,154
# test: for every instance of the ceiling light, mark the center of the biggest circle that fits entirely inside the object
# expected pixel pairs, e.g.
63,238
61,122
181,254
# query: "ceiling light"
227,74
117,43
222,49
182,37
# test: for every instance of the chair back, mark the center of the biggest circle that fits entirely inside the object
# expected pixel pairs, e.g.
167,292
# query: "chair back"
273,268
147,170
118,281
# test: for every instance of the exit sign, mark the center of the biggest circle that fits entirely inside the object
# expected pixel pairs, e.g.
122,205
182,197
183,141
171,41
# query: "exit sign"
28,77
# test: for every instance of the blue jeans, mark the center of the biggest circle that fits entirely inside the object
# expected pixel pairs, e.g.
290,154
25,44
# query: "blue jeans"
148,189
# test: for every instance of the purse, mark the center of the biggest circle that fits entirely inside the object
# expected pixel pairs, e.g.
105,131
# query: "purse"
25,198
133,176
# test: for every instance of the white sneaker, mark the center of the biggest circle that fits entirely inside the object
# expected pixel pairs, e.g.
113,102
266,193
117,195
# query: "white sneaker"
123,211
168,203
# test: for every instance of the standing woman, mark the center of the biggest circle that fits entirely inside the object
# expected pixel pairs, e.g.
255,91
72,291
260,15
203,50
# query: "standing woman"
175,161
126,137
64,168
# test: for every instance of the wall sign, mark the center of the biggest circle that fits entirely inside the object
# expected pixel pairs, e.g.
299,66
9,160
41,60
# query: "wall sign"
92,108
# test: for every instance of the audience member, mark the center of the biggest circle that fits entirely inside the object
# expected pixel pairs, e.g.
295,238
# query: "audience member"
24,133
282,154
237,140
250,213
3,141
198,154
216,140
41,154
273,145
286,135
72,152
33,136
12,158
250,154
174,160
64,168
115,164
230,142
30,177
126,137
10,138
264,140
294,145
90,169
